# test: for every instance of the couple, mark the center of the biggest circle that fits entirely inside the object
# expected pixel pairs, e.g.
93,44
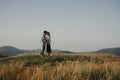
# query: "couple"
46,39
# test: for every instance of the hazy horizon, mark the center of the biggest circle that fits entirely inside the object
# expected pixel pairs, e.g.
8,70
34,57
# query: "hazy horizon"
75,25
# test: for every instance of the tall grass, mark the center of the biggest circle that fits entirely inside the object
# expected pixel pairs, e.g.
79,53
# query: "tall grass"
61,67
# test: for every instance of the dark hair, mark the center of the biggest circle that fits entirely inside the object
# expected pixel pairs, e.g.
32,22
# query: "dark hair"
44,31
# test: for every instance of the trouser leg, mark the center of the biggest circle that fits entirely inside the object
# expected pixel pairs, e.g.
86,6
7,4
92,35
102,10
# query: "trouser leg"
48,49
43,49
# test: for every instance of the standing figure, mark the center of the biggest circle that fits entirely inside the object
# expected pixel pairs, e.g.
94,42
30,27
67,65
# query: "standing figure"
46,39
43,39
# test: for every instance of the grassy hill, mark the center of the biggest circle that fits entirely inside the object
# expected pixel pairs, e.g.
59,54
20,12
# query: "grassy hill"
9,51
12,51
109,50
32,66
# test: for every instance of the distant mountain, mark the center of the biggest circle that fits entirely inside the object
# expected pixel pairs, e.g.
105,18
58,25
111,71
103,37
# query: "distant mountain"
9,51
1,56
109,50
12,51
53,51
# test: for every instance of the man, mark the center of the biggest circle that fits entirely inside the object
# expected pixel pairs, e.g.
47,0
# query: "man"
43,42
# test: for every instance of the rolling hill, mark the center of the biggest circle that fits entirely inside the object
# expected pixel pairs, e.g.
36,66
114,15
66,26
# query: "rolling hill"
109,50
9,51
12,51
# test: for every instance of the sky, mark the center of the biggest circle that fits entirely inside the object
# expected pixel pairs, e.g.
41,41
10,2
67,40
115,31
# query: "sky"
75,25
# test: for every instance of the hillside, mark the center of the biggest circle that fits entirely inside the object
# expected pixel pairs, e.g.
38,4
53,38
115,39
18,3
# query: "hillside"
12,51
53,51
109,50
9,51
60,67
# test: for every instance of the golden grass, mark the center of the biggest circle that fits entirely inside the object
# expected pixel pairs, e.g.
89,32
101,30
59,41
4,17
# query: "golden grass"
64,70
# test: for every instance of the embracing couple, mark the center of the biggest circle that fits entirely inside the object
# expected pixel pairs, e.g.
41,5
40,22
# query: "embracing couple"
46,39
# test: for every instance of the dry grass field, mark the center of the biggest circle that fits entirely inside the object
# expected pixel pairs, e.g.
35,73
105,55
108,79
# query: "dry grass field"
60,67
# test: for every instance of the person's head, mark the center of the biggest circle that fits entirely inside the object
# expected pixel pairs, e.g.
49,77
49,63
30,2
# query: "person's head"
44,32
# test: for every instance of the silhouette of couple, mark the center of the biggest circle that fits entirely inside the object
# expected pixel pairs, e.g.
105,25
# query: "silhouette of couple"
46,39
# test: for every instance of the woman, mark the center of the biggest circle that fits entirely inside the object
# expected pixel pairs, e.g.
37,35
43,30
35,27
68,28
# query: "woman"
48,40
